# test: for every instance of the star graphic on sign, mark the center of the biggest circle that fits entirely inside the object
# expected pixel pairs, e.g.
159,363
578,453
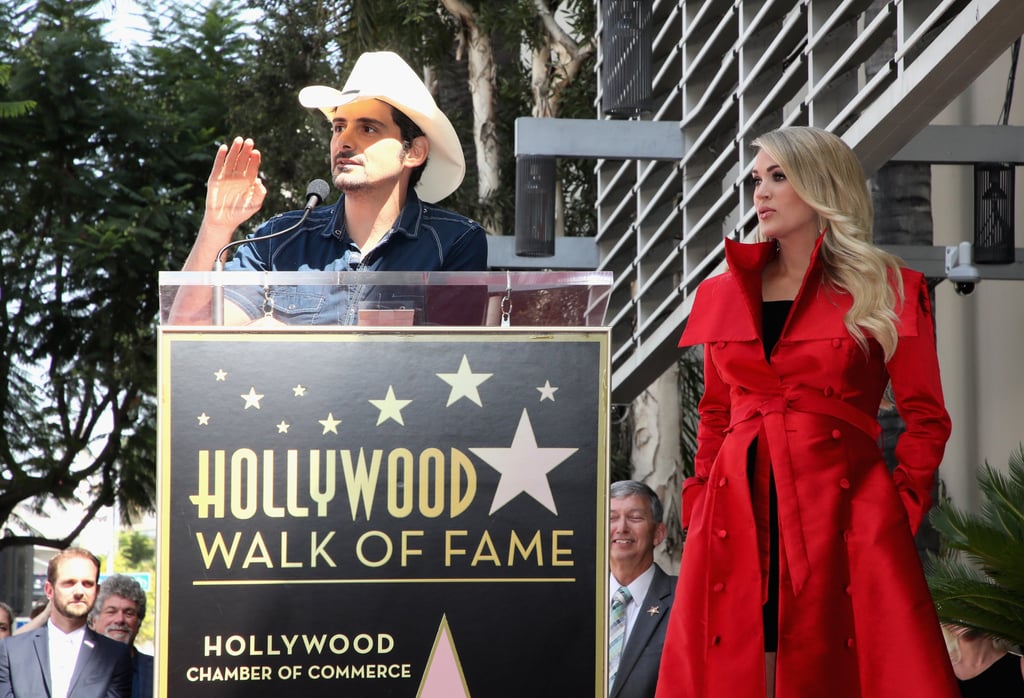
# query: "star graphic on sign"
390,407
330,424
221,375
204,419
547,391
282,428
464,383
524,467
252,399
299,390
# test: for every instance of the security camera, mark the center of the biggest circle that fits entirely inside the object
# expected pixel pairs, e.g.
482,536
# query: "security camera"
964,288
960,268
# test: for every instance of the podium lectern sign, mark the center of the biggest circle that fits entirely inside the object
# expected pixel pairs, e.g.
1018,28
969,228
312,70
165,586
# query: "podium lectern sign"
408,512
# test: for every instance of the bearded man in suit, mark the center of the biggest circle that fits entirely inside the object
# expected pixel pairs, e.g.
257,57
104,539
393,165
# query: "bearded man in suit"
65,658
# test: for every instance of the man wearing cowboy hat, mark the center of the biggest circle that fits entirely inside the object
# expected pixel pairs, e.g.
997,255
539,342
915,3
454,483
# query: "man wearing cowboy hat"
393,155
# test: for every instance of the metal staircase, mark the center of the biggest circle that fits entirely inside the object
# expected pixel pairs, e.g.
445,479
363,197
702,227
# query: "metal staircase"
725,71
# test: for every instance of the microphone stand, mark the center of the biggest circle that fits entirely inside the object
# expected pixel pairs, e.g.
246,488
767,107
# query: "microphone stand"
218,265
316,192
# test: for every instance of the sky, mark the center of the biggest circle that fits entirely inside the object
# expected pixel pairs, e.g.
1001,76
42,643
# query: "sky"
127,25
99,537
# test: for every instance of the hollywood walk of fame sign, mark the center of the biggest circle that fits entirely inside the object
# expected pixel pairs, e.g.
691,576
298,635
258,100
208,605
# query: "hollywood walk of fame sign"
414,513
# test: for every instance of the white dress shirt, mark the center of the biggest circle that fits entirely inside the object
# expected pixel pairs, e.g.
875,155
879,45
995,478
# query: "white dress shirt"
64,649
638,589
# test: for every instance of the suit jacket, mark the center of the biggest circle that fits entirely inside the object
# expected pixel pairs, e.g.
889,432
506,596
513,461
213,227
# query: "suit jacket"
142,675
637,675
103,669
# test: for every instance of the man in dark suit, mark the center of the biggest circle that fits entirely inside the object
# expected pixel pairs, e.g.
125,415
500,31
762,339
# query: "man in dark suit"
118,614
641,593
64,658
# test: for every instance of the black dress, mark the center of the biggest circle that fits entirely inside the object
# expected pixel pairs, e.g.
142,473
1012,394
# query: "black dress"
1001,680
773,319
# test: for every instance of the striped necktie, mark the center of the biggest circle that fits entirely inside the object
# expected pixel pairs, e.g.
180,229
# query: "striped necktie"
617,631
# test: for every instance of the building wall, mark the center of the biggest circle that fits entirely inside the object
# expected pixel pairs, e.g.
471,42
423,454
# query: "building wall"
981,336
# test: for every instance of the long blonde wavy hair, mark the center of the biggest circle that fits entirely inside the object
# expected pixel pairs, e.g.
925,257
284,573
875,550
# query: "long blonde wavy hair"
826,175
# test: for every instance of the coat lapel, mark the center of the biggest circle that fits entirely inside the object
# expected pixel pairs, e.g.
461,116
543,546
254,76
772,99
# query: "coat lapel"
646,623
85,657
41,643
740,286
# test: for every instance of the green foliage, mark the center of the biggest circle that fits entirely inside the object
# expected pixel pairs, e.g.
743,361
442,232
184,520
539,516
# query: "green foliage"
11,110
189,78
79,406
101,186
292,42
979,581
137,553
136,550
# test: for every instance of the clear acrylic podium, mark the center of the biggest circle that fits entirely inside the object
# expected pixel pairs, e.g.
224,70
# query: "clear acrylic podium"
468,299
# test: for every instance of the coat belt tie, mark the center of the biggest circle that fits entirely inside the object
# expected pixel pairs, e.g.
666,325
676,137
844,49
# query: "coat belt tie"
773,410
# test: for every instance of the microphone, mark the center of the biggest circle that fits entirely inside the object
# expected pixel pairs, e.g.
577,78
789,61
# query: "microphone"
316,194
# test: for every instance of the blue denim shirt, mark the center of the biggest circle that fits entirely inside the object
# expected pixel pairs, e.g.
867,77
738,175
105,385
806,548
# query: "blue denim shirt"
424,238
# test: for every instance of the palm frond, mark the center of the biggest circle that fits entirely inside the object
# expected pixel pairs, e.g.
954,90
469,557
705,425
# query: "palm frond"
12,110
979,581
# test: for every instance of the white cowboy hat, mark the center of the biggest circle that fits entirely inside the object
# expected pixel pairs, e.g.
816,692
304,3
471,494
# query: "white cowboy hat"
385,76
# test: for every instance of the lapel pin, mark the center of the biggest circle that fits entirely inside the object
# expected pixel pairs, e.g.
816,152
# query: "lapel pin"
88,644
653,611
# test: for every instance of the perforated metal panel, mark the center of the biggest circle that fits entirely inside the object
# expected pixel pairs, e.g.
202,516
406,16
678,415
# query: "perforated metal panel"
626,46
535,207
993,213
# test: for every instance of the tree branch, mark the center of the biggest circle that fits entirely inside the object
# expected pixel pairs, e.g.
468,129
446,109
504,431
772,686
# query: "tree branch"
480,56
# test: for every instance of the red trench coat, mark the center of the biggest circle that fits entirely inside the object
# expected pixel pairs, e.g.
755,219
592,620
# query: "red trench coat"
855,615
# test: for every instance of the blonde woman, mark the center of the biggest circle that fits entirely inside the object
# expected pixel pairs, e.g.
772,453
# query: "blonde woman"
799,574
985,667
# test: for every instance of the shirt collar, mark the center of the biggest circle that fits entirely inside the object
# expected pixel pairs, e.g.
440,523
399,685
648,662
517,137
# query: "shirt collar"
74,635
408,222
637,588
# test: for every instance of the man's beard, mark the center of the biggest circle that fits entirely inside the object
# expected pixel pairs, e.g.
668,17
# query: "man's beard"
63,609
347,185
119,630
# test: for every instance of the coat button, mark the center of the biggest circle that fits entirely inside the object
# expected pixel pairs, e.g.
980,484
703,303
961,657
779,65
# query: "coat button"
844,483
829,392
716,641
721,533
720,345
849,642
836,434
846,590
723,482
837,343
846,536
718,587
